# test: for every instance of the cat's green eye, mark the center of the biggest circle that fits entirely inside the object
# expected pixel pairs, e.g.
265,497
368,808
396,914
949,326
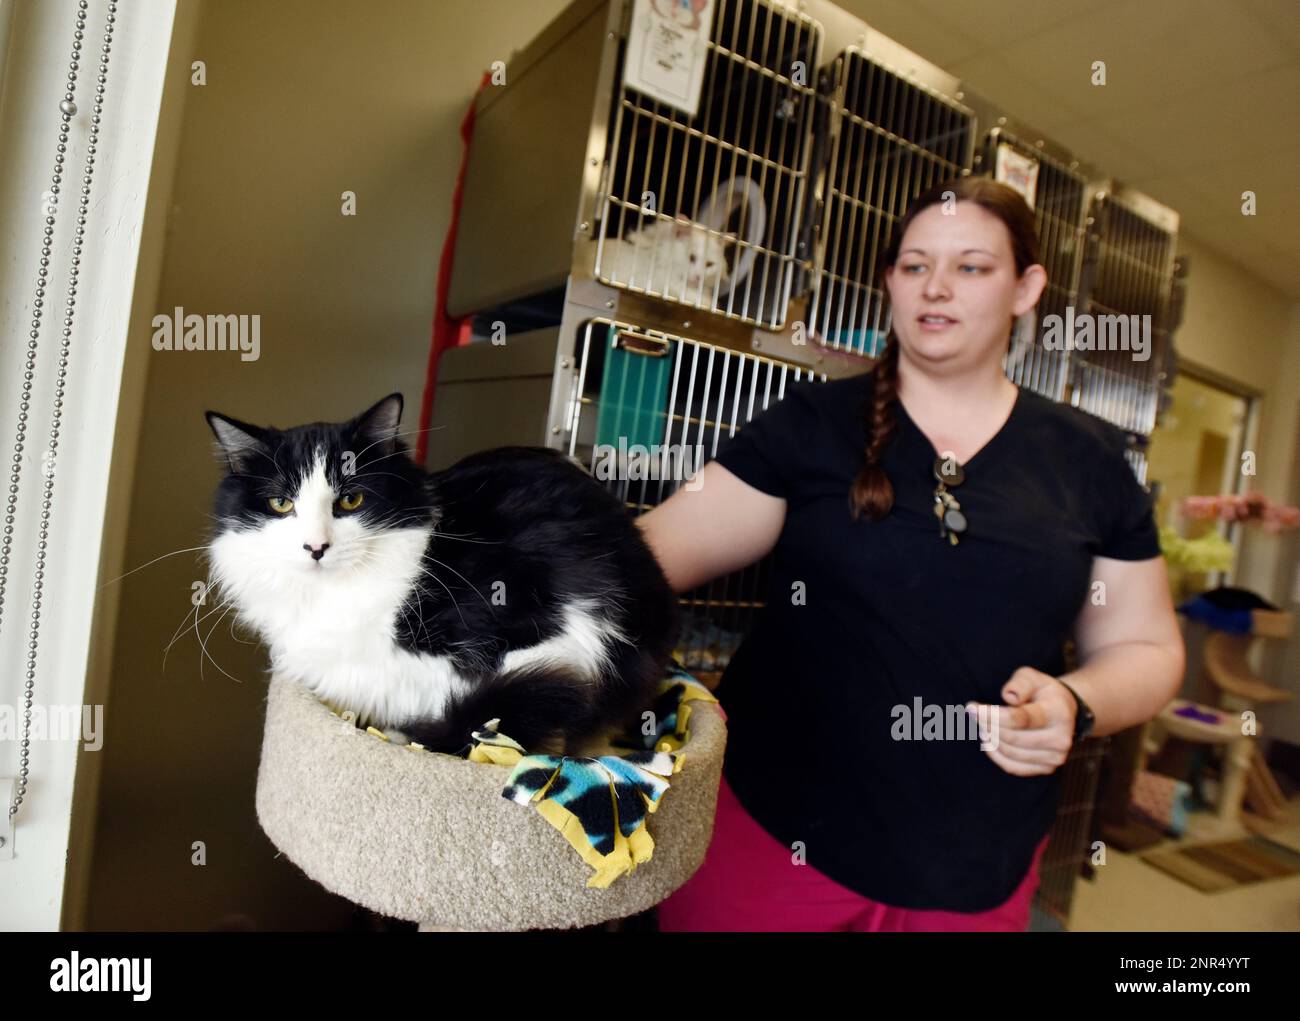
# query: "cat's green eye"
280,504
351,501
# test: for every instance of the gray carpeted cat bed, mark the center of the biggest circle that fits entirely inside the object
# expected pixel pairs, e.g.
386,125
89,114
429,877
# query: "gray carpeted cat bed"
429,838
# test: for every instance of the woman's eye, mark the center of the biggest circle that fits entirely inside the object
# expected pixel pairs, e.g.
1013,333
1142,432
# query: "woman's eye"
280,504
977,269
350,501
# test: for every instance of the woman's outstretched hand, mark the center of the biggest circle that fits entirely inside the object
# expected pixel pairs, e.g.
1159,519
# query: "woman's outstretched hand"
1032,734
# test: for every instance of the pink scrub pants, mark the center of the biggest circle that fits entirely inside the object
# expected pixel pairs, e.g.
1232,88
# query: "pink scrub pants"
747,884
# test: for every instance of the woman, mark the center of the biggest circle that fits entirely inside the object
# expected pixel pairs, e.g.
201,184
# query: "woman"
853,797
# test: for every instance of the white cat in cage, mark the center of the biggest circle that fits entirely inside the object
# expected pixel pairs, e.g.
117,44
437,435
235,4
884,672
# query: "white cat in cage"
691,261
676,259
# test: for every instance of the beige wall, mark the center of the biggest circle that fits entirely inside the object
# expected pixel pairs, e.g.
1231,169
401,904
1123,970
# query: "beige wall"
305,100
1246,331
1250,333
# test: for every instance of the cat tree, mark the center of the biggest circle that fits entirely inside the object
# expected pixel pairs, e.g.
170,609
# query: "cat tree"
428,837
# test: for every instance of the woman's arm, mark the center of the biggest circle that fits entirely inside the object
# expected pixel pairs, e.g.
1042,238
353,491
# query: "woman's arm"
720,526
1130,648
1131,664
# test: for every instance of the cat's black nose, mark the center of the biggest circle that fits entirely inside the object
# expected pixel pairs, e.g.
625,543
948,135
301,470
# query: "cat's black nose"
316,551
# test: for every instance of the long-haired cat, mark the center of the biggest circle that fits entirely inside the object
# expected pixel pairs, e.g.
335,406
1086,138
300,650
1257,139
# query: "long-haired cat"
673,258
509,586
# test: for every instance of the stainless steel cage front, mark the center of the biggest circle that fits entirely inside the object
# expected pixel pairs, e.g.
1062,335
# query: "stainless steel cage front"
693,396
1128,280
671,176
1060,208
892,138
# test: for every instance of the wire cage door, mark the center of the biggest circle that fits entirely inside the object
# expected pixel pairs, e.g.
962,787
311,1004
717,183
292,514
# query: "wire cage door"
891,139
646,412
1036,360
1128,294
705,210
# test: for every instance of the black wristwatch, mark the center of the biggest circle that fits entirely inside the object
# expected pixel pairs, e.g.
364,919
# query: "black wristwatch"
1084,720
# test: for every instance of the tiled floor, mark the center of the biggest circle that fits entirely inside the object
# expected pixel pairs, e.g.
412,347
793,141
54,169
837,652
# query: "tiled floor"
1130,895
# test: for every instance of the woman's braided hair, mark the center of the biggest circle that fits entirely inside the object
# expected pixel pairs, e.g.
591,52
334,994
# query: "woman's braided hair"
872,493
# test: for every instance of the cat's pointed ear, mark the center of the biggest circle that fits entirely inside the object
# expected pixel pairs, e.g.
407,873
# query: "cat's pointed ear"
238,443
377,425
682,226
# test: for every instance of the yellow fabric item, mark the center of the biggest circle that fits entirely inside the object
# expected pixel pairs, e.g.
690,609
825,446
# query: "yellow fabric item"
632,778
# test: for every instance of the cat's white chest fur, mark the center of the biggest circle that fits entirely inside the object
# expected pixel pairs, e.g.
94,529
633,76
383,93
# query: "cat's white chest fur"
333,630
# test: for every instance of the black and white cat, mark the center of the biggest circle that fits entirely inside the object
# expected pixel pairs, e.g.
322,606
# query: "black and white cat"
510,586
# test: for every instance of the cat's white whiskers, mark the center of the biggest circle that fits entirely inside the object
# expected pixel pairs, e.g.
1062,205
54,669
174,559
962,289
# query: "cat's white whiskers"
418,591
389,436
184,627
205,654
212,629
191,549
460,576
180,628
460,538
351,480
449,592
231,630
401,608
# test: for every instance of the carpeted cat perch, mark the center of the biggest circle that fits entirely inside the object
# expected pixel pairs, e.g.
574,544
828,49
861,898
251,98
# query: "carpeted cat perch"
430,838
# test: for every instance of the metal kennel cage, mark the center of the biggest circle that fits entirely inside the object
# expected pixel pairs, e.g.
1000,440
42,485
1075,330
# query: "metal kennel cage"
642,410
892,136
733,176
568,166
797,170
1129,276
1059,202
637,388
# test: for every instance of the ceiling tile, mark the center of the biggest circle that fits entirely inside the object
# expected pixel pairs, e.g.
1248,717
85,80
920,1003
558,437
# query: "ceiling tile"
995,23
1156,51
1272,150
938,39
1273,182
1199,103
1248,117
1183,194
1281,18
1021,96
1280,268
1095,143
1276,267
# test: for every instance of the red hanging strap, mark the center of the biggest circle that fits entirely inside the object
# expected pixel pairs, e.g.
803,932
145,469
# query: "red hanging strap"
447,332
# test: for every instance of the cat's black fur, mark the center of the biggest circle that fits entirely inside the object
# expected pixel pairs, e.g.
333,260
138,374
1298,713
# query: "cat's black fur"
525,516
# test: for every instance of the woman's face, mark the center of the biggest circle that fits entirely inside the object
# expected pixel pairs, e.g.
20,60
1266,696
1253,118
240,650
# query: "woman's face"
954,288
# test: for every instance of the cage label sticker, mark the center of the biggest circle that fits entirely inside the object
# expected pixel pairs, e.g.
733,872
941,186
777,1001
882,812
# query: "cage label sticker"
1017,170
667,48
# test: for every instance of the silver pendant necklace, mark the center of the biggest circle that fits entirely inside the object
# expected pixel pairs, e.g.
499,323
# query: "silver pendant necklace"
952,522
67,110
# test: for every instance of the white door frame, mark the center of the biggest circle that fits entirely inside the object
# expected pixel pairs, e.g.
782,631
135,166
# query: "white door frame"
35,47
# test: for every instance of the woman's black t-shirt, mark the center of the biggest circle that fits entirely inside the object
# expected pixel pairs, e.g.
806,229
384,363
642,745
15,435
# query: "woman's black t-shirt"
866,623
